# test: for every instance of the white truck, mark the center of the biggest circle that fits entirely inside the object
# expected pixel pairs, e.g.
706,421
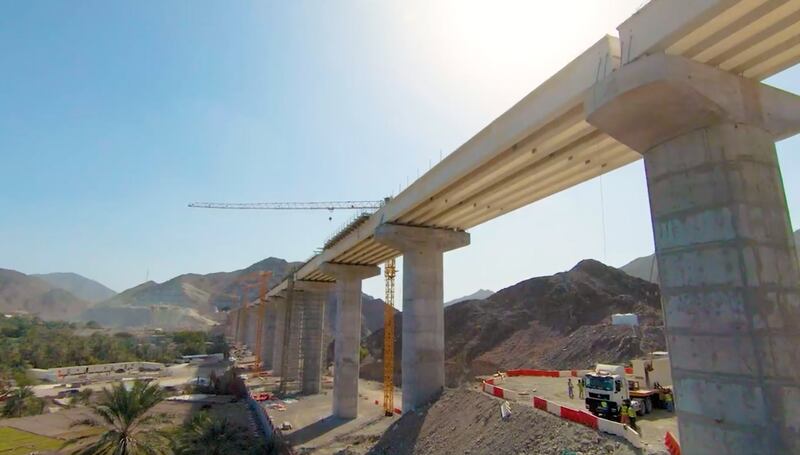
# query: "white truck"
647,385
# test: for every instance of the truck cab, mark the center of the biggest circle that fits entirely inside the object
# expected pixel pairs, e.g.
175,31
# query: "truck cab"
607,387
606,390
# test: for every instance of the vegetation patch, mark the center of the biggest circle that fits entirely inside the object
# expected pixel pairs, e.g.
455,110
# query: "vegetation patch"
18,442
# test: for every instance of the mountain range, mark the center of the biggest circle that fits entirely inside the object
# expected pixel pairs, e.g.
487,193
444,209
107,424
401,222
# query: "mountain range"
561,321
646,267
192,301
26,294
77,285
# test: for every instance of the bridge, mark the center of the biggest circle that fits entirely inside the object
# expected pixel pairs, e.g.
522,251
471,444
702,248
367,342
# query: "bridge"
680,88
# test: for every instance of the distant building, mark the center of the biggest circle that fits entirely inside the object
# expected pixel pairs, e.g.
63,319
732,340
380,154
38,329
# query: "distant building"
202,358
98,372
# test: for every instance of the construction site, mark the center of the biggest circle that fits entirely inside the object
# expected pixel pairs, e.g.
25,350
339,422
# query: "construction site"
680,88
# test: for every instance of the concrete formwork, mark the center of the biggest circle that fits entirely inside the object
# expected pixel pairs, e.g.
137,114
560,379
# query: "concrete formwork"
423,306
347,335
730,280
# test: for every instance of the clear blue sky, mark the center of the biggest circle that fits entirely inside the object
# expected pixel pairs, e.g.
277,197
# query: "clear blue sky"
115,115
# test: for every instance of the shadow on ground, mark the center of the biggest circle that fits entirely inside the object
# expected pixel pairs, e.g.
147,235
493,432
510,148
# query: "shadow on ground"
315,430
401,437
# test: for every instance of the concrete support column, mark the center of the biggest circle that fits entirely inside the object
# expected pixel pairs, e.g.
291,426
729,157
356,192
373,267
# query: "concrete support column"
292,368
252,326
423,306
241,325
268,336
313,296
347,339
280,324
730,280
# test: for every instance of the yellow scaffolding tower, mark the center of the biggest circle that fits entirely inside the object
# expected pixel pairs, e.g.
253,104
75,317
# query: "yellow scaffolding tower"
388,340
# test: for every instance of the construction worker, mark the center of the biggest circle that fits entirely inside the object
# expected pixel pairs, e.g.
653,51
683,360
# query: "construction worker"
623,412
570,389
581,387
668,401
632,417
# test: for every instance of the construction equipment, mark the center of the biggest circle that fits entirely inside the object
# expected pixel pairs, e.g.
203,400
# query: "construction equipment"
389,272
608,386
262,309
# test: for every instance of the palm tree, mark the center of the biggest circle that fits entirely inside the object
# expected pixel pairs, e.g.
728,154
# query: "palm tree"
204,435
22,402
122,413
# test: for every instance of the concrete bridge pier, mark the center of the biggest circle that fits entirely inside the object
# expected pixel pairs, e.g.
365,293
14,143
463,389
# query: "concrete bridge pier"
423,306
277,343
268,336
347,337
730,279
313,295
252,328
241,325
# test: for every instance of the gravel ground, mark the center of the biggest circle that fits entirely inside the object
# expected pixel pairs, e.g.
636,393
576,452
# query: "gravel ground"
468,422
652,427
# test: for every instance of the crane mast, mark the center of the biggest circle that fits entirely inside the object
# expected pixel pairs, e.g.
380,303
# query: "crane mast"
389,272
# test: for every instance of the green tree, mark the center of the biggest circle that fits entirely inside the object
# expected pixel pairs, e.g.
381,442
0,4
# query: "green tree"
22,402
122,413
206,435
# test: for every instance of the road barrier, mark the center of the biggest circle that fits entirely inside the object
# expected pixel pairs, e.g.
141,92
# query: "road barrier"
672,444
574,415
547,373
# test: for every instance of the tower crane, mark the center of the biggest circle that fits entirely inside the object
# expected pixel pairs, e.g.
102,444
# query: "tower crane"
389,273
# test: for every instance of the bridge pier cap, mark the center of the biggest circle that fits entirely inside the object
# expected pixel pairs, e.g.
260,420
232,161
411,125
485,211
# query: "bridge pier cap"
423,306
730,280
660,97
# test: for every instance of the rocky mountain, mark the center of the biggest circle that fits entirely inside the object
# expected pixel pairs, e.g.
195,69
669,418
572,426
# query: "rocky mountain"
480,294
26,294
646,267
560,321
190,300
78,285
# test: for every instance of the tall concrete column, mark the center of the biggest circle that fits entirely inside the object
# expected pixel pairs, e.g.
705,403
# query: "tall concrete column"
252,328
423,306
347,339
241,325
313,296
730,280
280,325
294,311
268,335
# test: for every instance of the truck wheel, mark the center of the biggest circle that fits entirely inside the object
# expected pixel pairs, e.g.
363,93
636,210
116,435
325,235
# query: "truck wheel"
648,405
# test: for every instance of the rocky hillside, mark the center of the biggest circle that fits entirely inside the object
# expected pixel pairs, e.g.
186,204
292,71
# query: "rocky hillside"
560,321
78,285
25,294
190,300
480,294
646,267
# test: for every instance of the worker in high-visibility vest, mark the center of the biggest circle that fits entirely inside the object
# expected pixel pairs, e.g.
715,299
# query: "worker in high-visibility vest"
623,412
632,418
668,401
